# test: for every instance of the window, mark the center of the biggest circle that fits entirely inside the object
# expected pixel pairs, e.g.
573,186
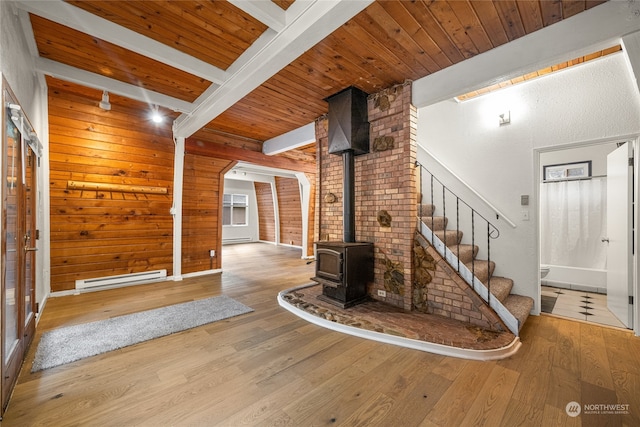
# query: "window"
235,208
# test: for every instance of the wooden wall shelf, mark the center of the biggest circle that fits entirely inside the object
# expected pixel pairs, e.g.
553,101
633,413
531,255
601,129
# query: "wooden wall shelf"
122,188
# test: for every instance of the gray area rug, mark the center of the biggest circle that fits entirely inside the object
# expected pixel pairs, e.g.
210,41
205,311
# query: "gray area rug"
68,344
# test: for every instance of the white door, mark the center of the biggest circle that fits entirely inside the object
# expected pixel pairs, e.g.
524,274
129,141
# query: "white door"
619,233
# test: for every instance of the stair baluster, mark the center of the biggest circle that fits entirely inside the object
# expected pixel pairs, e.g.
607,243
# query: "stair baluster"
489,263
444,215
457,228
473,243
432,210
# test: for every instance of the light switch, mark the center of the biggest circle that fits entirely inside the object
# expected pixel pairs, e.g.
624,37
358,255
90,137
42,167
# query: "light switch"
525,215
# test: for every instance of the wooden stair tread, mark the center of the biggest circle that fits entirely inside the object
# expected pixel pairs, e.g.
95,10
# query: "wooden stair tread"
520,306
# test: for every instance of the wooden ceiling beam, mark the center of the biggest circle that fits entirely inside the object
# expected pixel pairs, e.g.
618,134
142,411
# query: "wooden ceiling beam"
264,11
291,140
96,81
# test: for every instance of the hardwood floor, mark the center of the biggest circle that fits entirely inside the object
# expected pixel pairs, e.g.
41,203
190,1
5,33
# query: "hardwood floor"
271,368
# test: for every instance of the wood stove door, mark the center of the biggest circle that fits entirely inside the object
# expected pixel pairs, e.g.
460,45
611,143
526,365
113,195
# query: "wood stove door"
330,264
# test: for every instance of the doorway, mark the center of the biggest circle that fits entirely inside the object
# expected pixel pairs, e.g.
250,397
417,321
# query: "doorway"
576,203
19,163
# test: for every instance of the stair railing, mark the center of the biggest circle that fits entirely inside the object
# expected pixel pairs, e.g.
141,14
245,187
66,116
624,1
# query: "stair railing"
492,231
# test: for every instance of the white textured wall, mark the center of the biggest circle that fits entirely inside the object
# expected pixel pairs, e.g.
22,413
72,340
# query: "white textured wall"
16,63
590,102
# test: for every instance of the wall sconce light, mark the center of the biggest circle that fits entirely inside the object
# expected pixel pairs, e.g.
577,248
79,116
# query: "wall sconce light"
156,117
504,118
105,104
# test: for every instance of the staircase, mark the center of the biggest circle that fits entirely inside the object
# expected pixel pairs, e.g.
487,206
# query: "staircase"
496,291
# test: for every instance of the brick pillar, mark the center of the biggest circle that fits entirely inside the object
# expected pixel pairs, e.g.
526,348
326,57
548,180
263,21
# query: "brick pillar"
385,184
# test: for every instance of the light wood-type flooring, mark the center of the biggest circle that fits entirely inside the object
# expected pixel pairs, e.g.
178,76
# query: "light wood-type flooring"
271,368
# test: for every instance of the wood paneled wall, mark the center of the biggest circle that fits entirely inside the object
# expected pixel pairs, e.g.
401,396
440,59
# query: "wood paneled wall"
97,233
202,212
266,214
290,210
208,144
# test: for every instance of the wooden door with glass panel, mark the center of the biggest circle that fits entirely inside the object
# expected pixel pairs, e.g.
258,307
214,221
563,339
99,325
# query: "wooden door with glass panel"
18,244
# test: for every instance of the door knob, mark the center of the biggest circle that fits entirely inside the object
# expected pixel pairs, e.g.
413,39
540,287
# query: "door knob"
605,239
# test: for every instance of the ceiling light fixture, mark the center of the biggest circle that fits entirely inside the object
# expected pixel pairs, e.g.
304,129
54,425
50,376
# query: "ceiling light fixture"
156,117
105,104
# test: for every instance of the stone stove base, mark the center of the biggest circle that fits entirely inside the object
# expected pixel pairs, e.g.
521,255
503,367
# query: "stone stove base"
384,318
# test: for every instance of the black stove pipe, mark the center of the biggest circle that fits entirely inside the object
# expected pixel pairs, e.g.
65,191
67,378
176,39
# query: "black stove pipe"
348,197
348,134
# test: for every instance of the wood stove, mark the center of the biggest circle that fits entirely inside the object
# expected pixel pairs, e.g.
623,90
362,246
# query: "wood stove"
344,269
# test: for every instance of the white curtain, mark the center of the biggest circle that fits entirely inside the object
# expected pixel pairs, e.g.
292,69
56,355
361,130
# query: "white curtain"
573,222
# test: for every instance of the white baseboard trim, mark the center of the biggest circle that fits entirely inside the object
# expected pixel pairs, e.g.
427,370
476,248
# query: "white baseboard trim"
202,273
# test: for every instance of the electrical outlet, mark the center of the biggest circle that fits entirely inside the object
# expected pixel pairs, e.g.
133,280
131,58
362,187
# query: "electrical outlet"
382,293
212,253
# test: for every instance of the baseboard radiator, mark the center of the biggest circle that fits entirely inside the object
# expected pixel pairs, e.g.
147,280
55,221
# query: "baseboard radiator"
236,240
122,279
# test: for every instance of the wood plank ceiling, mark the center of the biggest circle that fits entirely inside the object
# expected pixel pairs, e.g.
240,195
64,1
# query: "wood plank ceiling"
386,44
